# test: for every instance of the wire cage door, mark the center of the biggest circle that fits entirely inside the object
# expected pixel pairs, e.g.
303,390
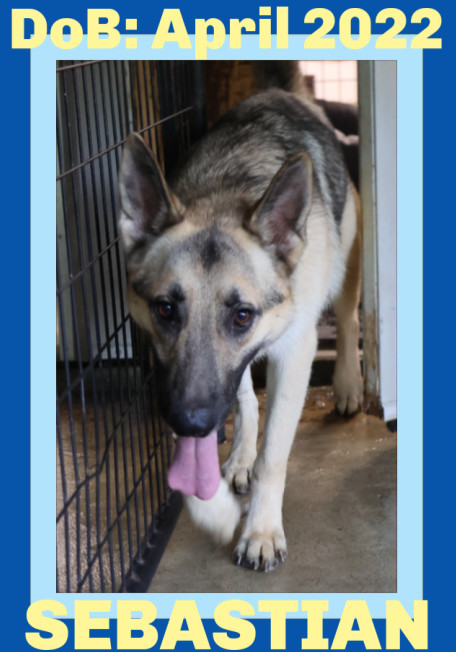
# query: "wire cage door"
114,508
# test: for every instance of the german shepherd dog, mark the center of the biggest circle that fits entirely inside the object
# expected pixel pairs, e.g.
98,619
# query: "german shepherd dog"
232,259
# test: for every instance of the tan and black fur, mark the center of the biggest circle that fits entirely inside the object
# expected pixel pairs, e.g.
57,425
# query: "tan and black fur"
234,258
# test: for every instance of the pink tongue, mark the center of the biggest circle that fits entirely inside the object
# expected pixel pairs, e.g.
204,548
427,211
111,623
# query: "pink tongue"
195,469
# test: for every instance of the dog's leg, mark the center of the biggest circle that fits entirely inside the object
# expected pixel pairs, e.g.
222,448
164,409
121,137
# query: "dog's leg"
262,544
237,469
348,381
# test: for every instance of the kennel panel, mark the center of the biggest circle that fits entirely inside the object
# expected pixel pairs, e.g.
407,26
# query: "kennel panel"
114,508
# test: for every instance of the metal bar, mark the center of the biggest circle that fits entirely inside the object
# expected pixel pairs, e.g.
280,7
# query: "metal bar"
71,386
88,266
81,64
119,144
112,437
120,455
113,83
140,578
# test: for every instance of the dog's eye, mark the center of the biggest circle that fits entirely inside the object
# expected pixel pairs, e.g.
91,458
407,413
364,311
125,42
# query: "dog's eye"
243,317
165,310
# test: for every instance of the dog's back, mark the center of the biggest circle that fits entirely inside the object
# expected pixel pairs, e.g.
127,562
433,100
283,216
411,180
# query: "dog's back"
247,146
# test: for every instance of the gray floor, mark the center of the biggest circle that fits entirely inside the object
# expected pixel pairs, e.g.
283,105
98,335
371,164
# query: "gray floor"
339,516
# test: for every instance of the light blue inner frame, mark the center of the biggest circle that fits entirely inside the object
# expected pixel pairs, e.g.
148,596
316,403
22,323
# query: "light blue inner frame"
409,325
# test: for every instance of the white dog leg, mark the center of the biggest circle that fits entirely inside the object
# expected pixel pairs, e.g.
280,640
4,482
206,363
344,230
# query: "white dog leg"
237,469
262,544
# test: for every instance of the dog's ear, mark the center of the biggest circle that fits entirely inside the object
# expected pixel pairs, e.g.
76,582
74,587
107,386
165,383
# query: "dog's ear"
148,206
279,220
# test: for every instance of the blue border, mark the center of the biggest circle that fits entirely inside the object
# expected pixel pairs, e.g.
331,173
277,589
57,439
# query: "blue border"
15,336
439,356
439,226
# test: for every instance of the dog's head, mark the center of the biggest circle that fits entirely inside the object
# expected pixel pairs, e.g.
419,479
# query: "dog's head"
210,287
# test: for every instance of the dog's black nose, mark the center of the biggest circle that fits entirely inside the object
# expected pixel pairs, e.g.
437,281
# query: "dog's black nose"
194,421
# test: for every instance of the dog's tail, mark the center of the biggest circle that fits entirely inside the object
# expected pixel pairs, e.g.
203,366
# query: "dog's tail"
279,74
218,516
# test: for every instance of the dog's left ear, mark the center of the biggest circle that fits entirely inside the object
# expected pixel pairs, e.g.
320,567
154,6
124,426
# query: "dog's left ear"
280,218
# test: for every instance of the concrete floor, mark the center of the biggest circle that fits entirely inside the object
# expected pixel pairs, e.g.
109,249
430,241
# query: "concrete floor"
339,516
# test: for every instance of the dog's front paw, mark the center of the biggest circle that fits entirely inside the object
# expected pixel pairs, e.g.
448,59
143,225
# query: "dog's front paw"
261,550
348,391
237,477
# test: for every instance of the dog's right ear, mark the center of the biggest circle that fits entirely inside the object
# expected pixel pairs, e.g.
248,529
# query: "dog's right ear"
148,206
